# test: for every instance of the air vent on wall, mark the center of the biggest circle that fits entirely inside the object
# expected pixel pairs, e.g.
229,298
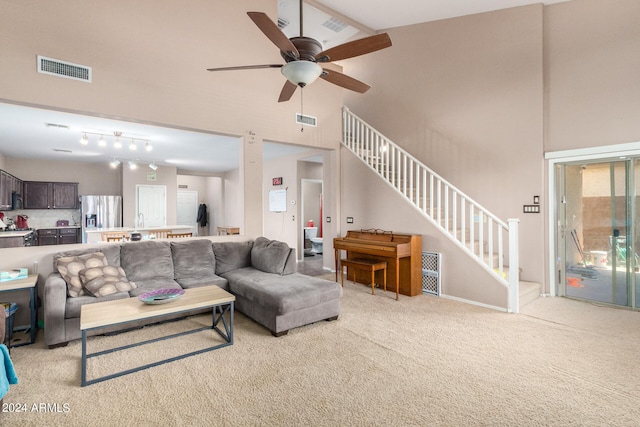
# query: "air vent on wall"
56,67
306,120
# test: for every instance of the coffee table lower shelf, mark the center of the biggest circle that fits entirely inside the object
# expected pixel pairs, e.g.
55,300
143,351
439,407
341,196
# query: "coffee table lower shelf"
220,309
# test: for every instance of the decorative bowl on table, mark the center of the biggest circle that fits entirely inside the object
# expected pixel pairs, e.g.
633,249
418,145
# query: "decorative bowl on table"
161,296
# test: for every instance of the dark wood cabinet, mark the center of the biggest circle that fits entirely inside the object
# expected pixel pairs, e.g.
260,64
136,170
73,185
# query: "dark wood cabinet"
9,184
47,237
68,236
50,195
58,236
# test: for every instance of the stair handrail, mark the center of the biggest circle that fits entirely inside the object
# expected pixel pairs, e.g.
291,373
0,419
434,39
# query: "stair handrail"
384,156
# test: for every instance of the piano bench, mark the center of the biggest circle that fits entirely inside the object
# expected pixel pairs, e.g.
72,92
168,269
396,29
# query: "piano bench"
366,265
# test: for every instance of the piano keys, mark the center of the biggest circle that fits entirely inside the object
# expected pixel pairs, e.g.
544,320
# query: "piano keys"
402,252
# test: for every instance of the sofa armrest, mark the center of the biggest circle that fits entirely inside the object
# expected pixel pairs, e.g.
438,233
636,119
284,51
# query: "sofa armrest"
55,301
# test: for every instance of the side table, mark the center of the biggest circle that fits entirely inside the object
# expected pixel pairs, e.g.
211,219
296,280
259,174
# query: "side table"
28,283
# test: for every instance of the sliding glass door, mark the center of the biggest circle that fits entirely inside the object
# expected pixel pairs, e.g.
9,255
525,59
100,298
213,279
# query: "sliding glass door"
596,231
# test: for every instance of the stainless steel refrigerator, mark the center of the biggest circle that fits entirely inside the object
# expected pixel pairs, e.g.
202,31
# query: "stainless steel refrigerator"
100,212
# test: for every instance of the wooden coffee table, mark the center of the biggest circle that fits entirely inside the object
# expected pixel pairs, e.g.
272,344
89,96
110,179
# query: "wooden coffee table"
123,311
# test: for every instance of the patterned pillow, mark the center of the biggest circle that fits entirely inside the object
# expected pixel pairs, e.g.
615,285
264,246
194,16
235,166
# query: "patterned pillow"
105,280
70,267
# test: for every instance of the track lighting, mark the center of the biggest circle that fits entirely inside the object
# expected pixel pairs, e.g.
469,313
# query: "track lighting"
103,139
133,164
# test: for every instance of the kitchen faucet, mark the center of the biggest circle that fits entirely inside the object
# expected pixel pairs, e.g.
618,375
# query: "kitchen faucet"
141,220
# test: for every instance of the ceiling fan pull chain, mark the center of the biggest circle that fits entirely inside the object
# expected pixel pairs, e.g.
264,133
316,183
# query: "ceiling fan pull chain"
301,110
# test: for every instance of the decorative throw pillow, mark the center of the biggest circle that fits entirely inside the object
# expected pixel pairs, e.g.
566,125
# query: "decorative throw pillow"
269,256
70,267
105,280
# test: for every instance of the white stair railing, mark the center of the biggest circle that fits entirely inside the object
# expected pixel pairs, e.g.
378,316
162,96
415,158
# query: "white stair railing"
483,236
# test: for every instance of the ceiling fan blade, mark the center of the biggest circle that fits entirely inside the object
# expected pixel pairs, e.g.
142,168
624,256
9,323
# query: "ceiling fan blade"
246,67
355,48
274,34
287,91
344,81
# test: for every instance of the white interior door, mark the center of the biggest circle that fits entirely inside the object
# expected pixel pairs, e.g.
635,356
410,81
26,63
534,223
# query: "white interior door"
188,209
152,204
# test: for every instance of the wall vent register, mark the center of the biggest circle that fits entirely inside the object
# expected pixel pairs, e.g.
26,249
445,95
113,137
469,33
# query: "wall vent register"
301,119
69,70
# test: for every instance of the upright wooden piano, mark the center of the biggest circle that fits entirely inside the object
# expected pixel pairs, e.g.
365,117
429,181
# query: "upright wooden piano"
402,252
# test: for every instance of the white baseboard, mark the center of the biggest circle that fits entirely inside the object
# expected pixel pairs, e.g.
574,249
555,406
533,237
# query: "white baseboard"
479,304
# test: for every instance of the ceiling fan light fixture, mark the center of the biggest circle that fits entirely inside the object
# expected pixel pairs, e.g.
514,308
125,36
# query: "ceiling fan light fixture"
301,73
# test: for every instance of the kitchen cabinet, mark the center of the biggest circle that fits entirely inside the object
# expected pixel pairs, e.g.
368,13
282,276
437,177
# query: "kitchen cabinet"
68,236
9,184
50,195
47,237
58,236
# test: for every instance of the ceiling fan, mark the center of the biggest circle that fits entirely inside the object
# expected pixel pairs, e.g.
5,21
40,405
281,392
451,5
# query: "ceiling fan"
303,56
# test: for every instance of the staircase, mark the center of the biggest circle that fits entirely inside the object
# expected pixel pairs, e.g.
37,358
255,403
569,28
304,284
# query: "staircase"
486,239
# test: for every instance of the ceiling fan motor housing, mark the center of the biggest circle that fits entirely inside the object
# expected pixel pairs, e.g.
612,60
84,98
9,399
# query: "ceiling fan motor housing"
307,47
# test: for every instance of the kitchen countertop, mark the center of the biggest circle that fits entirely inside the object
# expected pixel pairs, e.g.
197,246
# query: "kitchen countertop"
20,233
165,227
57,227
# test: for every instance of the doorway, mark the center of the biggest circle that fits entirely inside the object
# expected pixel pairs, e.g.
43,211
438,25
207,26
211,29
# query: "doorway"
311,216
596,240
151,205
187,209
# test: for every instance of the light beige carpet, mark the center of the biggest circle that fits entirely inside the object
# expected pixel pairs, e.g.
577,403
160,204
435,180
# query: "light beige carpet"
413,362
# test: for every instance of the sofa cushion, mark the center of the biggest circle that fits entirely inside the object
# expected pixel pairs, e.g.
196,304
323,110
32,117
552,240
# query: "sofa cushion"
72,306
112,252
232,255
195,282
147,260
69,268
281,294
193,259
105,280
269,256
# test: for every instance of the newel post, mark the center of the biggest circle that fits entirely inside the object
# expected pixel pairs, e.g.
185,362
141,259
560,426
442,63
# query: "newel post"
514,267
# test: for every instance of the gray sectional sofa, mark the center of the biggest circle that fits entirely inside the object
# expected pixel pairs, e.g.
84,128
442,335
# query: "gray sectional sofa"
261,274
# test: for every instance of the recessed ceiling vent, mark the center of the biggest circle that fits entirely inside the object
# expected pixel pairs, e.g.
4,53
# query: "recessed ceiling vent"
56,67
306,120
56,125
335,25
282,23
